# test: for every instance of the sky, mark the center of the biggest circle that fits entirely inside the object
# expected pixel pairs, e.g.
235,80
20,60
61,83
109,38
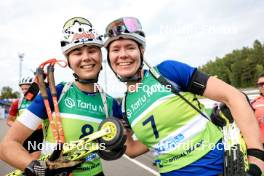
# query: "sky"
188,31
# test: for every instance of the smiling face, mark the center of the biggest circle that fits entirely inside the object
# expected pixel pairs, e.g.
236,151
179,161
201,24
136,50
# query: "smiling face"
124,55
86,61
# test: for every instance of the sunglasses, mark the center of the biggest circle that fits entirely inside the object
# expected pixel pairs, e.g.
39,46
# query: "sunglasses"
124,25
261,84
73,20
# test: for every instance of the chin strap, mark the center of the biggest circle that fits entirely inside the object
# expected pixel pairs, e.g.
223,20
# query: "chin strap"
134,78
85,81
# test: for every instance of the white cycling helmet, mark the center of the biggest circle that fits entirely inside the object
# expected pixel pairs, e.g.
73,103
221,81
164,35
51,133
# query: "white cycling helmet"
125,27
77,32
26,80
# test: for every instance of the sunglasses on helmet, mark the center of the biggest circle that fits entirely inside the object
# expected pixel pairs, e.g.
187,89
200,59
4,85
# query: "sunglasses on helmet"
124,25
73,20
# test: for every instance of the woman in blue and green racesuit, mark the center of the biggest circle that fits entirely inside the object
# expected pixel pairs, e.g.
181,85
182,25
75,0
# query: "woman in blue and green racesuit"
181,139
80,103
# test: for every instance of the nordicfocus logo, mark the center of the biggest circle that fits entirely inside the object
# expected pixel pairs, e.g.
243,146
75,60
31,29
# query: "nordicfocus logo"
70,103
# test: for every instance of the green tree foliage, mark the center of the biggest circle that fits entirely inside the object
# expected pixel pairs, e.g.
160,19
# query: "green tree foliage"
7,92
239,68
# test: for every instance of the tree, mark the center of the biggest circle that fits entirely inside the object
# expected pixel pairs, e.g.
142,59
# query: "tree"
259,70
7,92
239,68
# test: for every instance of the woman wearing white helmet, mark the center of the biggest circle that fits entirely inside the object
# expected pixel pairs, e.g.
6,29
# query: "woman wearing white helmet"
25,83
19,104
161,120
79,35
80,102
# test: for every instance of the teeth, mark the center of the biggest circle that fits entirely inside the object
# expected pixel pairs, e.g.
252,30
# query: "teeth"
124,63
87,66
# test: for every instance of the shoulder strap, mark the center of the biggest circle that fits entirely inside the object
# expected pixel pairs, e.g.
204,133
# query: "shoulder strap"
174,89
65,89
104,99
123,109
